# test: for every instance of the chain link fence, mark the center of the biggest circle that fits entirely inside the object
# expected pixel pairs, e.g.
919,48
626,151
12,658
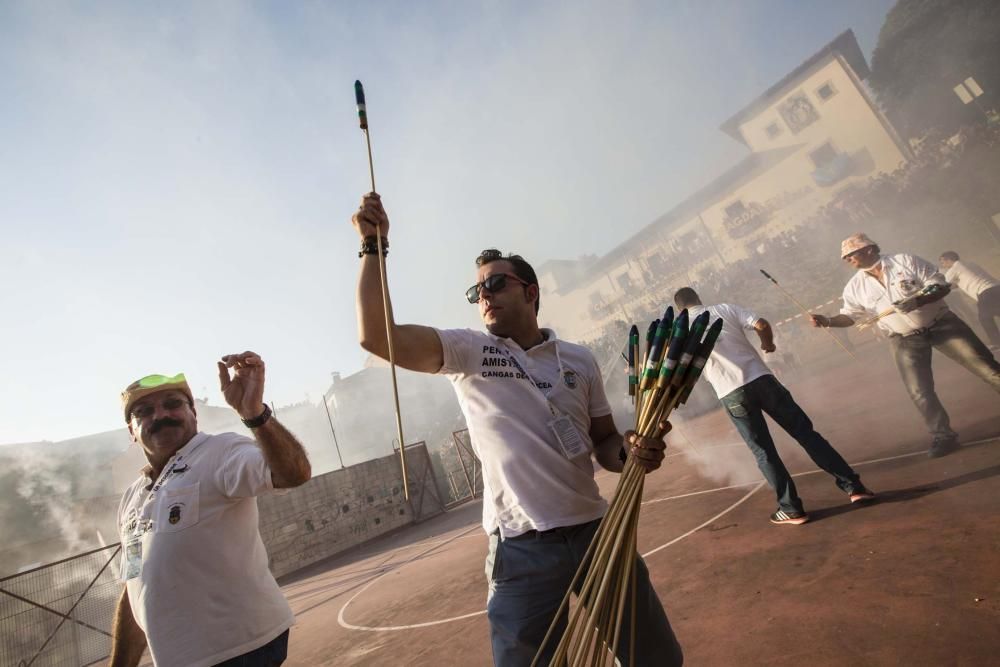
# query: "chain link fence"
460,469
60,614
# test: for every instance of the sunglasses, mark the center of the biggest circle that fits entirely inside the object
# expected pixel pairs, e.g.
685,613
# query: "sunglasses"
147,410
492,284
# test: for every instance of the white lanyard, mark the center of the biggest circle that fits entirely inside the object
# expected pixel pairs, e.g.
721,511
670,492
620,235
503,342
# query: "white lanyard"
526,374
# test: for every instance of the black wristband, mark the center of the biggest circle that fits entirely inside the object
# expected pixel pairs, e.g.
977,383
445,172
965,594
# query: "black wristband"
369,246
260,419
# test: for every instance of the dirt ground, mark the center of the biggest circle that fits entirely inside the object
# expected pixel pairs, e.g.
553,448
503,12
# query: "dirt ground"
911,579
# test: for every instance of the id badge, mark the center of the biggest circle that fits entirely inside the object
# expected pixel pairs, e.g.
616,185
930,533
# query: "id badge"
132,560
569,438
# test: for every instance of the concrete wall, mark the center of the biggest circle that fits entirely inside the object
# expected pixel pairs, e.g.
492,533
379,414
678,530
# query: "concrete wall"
338,510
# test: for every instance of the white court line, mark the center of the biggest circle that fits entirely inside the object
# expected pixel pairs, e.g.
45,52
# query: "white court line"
343,623
758,485
704,449
699,527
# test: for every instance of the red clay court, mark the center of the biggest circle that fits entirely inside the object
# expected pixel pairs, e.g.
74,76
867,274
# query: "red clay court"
910,579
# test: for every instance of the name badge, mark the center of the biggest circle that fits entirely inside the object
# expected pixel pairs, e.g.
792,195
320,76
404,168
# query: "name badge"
569,438
132,560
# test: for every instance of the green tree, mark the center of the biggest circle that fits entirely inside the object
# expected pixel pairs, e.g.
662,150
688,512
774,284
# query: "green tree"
925,48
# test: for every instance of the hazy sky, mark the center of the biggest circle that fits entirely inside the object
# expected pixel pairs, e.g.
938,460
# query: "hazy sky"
176,179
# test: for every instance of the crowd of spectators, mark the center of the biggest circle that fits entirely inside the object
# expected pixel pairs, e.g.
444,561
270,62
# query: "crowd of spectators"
941,198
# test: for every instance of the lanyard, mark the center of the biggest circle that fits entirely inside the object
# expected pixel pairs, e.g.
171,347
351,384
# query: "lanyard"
526,374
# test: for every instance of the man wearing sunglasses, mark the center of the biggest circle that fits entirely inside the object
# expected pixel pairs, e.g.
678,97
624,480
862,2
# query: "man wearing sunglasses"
911,290
536,412
198,591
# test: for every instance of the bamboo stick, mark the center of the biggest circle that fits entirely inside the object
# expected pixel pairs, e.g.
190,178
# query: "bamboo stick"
593,632
806,313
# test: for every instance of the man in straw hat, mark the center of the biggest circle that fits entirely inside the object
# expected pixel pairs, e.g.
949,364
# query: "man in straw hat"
198,590
747,389
906,293
536,411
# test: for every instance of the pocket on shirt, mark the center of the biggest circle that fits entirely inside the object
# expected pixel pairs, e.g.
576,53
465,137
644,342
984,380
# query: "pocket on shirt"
178,509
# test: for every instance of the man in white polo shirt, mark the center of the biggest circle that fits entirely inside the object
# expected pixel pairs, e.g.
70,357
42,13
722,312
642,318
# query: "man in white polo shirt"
198,590
536,411
906,293
980,286
748,390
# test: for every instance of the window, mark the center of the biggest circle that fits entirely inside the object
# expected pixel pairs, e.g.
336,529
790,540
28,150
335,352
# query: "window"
657,263
596,298
735,210
826,91
625,282
823,155
773,130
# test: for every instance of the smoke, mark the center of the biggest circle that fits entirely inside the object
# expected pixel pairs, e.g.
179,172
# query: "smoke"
45,486
723,460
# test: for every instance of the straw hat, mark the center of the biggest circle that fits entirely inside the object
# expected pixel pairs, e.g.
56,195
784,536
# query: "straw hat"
854,243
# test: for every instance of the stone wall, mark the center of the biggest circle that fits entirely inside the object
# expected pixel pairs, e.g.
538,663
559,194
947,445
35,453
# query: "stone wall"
341,509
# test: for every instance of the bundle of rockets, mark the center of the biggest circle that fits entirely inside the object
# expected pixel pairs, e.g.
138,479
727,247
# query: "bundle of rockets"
661,377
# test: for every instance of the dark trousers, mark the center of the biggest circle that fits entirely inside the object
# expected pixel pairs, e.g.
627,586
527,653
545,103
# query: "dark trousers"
271,654
746,407
988,305
952,337
529,575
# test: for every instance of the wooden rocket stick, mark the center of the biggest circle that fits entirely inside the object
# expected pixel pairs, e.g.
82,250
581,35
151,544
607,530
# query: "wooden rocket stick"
806,313
359,95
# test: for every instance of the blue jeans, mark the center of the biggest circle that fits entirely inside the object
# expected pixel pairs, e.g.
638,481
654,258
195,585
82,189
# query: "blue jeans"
952,337
528,577
746,407
271,654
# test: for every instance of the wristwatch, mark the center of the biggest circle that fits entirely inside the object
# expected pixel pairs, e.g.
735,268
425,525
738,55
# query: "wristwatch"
260,419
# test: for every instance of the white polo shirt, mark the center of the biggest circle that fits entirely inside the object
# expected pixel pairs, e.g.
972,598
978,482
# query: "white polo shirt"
905,275
528,482
204,593
970,278
734,361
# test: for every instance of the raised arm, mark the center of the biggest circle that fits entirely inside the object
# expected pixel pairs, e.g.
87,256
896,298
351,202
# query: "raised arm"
415,347
765,333
244,392
836,322
128,641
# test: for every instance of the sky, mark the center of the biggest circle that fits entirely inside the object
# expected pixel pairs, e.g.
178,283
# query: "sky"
177,179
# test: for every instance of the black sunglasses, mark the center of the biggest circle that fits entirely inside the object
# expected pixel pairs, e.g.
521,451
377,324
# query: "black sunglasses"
492,284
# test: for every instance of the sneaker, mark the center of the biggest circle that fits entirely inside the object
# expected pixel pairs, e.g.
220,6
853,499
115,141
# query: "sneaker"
861,493
791,518
942,448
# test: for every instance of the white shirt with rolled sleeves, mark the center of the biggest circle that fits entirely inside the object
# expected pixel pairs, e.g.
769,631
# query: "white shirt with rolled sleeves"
970,278
205,593
528,482
734,361
905,275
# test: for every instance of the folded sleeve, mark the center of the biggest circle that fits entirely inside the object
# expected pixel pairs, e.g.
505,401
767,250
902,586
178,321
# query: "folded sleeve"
242,470
459,348
852,307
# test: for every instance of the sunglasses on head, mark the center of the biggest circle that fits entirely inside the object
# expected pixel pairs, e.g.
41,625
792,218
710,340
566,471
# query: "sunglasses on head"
160,380
492,284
